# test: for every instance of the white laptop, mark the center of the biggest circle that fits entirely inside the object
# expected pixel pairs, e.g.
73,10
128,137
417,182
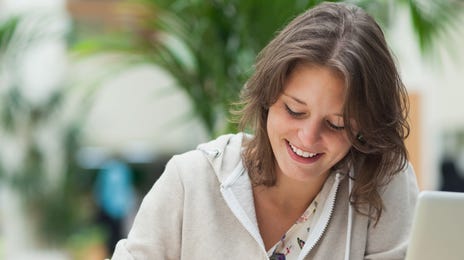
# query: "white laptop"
438,227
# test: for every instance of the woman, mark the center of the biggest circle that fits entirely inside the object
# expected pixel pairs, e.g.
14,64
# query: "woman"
325,173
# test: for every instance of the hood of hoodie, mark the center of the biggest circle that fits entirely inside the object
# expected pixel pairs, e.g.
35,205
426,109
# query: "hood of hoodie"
224,154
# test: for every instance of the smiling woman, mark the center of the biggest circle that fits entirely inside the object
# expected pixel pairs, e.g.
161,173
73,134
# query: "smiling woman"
305,125
325,173
307,137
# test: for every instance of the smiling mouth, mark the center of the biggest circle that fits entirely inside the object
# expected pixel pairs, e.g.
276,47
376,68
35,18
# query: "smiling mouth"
302,153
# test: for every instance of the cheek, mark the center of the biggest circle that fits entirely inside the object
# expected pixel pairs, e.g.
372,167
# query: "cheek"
342,144
345,146
272,120
269,123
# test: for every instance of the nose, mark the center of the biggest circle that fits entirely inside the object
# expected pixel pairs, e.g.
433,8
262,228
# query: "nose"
310,132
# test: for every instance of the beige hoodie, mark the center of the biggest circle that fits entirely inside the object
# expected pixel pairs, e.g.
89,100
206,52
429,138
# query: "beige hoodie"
202,208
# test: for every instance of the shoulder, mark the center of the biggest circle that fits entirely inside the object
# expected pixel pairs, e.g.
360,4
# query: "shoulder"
403,186
388,238
399,198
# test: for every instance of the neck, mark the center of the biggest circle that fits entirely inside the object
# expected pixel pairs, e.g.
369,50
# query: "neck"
293,194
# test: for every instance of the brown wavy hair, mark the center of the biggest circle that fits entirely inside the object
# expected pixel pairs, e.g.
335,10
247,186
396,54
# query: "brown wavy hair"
347,40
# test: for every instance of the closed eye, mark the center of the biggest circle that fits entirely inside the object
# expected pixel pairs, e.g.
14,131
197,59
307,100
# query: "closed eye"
293,113
335,127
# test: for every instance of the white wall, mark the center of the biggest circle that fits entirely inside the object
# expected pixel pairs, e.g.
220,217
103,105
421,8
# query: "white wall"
140,112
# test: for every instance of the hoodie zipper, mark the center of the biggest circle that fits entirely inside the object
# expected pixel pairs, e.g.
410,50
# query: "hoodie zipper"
327,215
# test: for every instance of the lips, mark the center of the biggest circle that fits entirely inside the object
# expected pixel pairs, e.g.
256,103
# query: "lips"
301,155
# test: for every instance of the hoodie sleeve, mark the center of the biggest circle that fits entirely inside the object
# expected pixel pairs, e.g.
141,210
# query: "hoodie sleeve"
156,232
389,238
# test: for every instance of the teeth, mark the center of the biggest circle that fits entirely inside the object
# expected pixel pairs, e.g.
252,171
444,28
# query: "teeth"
302,153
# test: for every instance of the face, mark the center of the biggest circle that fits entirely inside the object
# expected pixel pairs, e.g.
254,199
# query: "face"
305,125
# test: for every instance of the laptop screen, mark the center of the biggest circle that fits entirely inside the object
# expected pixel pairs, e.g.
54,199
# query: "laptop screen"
438,227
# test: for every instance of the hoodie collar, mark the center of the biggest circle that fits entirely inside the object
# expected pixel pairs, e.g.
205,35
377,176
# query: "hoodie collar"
224,154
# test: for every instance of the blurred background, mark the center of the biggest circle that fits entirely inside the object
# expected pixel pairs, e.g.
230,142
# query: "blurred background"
96,96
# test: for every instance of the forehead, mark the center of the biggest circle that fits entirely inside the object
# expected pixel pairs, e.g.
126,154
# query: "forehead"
308,75
332,70
317,87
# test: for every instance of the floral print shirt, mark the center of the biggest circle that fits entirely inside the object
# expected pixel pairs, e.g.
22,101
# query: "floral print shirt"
291,243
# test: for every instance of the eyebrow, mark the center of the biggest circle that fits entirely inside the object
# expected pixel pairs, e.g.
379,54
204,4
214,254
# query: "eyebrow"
294,98
302,102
